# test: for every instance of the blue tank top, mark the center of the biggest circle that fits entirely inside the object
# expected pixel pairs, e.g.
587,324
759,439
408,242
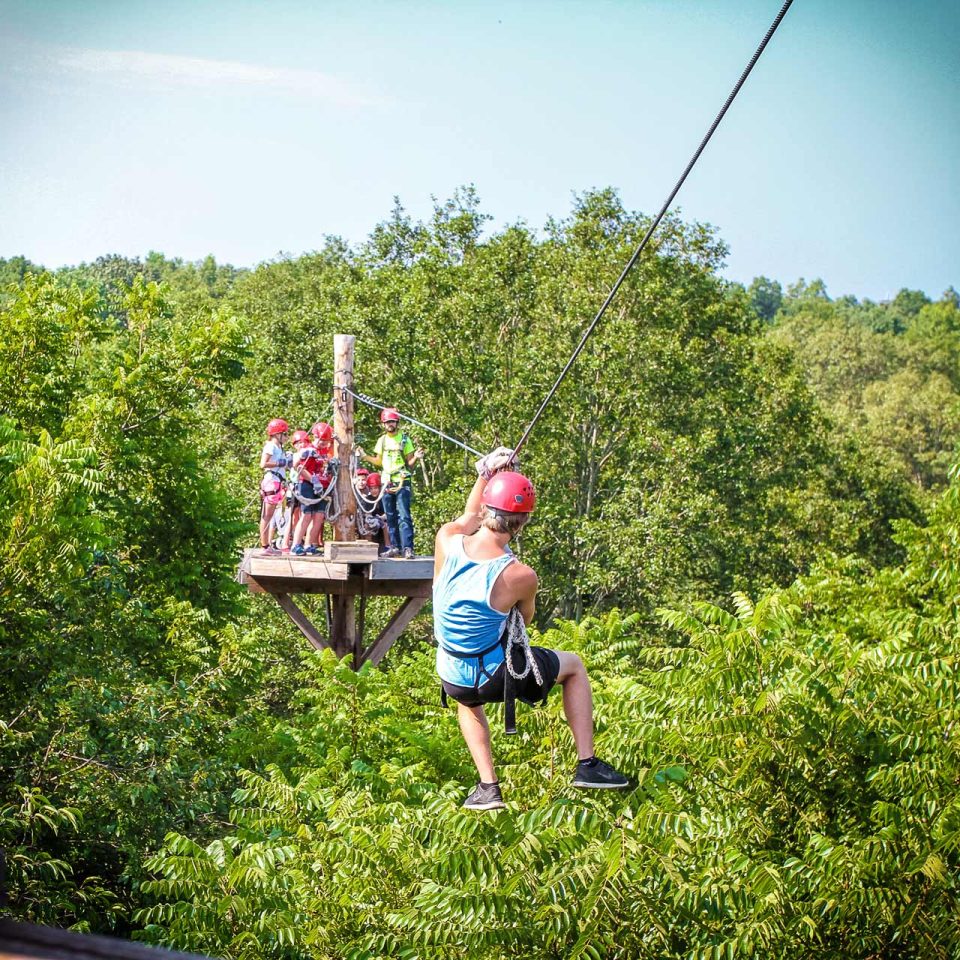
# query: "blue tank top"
463,620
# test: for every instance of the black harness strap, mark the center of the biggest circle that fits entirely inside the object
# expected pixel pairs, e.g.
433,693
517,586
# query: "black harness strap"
509,701
482,672
509,682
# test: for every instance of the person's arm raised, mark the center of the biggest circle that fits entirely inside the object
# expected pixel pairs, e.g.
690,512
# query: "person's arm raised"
469,521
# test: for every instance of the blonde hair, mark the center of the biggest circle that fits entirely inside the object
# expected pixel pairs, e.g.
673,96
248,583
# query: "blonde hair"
500,521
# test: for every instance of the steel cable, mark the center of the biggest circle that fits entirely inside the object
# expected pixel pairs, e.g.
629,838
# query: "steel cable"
656,222
363,398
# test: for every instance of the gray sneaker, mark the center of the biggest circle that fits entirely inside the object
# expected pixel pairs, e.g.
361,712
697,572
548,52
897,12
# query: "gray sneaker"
599,776
407,553
485,796
390,553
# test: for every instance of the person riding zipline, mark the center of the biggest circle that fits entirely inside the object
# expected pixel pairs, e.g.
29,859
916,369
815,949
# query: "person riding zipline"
394,455
477,583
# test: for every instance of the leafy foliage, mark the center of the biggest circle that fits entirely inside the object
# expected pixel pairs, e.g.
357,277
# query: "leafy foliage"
175,763
795,795
889,373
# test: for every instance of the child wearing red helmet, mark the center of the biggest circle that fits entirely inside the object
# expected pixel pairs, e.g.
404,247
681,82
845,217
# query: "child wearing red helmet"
300,439
273,461
371,522
313,477
477,584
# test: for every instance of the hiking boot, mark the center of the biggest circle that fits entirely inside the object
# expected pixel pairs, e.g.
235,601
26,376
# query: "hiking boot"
407,553
594,774
298,550
485,796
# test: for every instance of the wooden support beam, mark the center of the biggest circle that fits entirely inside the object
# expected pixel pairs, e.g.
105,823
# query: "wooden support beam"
398,623
345,526
343,627
354,587
302,621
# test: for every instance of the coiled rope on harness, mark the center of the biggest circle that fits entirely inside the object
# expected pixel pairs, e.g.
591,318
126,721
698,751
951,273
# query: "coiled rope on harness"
517,639
656,222
329,493
365,505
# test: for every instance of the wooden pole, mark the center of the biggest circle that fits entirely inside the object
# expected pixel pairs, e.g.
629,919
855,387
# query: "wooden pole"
343,621
345,526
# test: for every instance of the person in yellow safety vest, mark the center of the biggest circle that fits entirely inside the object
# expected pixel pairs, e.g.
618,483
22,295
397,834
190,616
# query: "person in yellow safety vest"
393,456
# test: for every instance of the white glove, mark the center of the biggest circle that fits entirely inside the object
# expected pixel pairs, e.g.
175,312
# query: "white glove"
494,462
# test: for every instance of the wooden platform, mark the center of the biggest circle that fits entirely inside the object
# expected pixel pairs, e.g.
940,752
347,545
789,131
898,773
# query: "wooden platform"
347,586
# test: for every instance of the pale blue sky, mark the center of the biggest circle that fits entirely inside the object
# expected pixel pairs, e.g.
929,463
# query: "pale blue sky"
244,129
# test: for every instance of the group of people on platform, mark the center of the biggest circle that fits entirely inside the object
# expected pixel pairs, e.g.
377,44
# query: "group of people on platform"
298,492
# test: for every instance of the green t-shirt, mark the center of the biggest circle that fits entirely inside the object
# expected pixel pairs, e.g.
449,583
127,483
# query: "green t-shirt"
393,451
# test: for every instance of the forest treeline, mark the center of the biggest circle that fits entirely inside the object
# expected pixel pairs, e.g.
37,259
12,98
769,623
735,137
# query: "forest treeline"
748,522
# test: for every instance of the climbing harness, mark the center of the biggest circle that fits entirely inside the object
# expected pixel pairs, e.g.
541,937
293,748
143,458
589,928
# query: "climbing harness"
363,398
656,222
514,638
366,506
328,490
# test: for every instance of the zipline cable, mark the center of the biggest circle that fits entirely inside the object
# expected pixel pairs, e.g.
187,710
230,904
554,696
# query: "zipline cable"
656,223
363,398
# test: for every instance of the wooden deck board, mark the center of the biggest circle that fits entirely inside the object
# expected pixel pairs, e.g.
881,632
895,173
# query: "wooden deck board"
356,586
420,568
292,568
393,577
283,577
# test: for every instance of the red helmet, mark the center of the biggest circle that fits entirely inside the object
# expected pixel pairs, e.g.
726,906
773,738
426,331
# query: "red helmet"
510,492
277,426
322,431
300,436
389,413
363,472
373,480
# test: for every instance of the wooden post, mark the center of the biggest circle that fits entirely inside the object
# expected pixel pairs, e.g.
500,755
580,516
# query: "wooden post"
345,526
343,625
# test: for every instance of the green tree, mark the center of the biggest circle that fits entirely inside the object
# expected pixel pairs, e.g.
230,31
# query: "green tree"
765,297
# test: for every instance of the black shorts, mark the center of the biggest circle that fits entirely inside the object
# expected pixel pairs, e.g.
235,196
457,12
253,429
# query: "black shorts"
307,492
527,689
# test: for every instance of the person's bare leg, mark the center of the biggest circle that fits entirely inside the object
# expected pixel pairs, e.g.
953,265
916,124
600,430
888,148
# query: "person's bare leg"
266,518
476,731
292,522
301,530
577,701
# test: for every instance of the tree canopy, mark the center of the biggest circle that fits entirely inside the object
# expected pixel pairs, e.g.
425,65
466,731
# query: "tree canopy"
748,524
